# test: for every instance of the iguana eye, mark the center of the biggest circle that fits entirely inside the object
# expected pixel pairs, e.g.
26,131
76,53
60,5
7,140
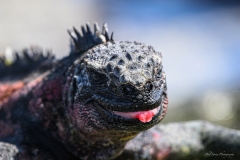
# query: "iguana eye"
127,89
96,77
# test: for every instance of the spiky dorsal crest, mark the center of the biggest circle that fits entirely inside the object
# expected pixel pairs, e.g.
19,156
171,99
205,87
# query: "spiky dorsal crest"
29,60
88,39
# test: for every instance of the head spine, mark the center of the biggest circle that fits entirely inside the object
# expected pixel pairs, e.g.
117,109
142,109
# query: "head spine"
82,42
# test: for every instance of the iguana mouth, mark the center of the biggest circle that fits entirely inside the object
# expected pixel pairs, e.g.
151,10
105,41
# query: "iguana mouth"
134,117
143,116
126,107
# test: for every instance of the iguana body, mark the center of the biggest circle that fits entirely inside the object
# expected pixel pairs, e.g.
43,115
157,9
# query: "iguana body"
87,105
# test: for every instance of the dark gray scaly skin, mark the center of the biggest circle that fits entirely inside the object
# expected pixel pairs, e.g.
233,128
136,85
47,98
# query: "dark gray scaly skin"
76,108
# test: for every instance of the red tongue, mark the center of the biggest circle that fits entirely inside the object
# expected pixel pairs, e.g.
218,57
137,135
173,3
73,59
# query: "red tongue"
145,116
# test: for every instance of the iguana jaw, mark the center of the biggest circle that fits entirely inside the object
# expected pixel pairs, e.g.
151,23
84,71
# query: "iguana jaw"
137,120
139,112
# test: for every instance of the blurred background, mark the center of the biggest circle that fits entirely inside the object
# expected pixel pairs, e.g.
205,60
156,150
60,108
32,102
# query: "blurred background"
199,41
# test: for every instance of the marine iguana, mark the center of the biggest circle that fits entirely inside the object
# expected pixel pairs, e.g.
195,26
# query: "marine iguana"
39,115
87,105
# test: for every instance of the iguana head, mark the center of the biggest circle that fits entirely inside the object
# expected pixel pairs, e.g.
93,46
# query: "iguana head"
115,90
122,85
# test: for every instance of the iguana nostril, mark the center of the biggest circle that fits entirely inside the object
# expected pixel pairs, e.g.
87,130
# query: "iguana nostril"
149,87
